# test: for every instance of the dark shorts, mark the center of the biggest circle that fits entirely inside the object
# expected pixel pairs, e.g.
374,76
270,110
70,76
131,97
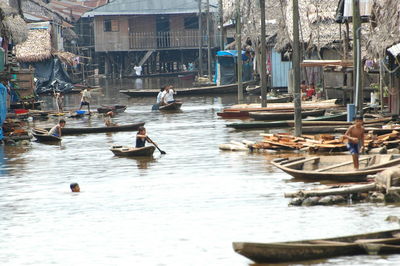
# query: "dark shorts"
353,148
171,101
84,103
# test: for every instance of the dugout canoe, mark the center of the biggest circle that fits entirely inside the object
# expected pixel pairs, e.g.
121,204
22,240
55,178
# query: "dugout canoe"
115,108
316,121
102,129
171,106
335,168
275,116
132,152
42,135
243,110
377,243
222,89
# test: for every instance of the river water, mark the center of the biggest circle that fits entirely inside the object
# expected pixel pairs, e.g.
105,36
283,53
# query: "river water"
182,208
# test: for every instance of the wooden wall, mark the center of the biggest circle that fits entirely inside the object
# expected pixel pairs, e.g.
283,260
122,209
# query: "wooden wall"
138,33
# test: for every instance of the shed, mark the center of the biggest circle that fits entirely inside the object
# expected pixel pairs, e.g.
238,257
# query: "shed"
226,70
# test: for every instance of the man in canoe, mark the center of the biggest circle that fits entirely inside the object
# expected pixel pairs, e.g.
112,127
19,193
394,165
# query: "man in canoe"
56,130
355,137
168,95
159,99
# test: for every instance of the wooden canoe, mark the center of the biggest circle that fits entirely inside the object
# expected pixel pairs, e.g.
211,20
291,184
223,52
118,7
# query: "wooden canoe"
321,248
230,88
337,167
42,135
132,152
171,106
114,108
316,121
275,116
102,129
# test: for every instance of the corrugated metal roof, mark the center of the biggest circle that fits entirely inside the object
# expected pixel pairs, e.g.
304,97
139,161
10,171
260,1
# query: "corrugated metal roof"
149,7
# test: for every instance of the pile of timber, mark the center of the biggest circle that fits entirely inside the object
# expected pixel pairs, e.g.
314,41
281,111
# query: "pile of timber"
384,188
14,131
326,142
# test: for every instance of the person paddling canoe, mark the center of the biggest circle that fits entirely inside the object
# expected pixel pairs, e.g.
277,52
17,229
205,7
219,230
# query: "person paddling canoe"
56,130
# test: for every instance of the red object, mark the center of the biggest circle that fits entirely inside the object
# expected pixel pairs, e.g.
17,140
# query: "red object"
310,92
21,111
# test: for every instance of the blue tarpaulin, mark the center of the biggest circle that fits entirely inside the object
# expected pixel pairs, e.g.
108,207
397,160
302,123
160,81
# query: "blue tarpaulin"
3,107
226,70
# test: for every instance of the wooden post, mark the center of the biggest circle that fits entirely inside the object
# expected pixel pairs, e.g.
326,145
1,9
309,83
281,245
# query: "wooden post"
239,50
357,56
221,24
296,70
263,74
200,41
381,76
208,42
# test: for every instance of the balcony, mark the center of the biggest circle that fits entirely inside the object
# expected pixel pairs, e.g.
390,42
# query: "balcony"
165,40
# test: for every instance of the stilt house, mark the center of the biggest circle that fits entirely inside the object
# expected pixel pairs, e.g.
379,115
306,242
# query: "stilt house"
161,36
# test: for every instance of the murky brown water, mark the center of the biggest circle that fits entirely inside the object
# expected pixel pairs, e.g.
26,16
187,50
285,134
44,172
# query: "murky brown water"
182,208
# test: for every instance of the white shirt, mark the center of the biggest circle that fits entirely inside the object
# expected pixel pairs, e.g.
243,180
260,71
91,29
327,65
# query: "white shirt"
159,96
138,70
169,96
85,96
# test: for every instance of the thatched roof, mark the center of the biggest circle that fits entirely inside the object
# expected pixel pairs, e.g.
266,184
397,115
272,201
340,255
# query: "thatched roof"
36,48
317,23
251,17
66,57
385,30
12,25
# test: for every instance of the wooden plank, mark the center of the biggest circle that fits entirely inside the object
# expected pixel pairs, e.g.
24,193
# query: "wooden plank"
302,161
340,164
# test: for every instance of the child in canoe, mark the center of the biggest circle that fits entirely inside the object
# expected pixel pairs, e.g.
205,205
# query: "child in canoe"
141,137
56,130
355,137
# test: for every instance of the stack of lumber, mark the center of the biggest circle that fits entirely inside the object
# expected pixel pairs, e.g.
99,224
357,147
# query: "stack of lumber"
324,142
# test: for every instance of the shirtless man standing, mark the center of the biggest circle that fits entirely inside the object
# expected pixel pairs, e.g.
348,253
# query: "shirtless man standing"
355,136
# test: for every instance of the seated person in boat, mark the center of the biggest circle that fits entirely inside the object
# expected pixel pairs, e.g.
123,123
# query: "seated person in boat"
85,100
141,137
159,99
168,95
108,119
355,137
75,187
56,130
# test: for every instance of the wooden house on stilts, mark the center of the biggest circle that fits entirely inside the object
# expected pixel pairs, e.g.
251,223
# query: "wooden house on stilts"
161,36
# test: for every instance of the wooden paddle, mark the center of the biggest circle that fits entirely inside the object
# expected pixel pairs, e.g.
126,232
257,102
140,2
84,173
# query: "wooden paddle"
155,145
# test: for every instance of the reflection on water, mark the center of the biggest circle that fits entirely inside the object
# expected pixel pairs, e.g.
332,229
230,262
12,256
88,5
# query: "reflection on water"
182,208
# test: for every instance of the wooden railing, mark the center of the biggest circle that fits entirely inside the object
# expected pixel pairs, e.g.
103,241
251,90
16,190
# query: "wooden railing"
164,40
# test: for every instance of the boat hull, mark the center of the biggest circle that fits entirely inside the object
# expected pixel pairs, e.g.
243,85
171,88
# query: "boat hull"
115,108
274,116
88,130
43,136
171,107
230,88
132,152
310,168
317,248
